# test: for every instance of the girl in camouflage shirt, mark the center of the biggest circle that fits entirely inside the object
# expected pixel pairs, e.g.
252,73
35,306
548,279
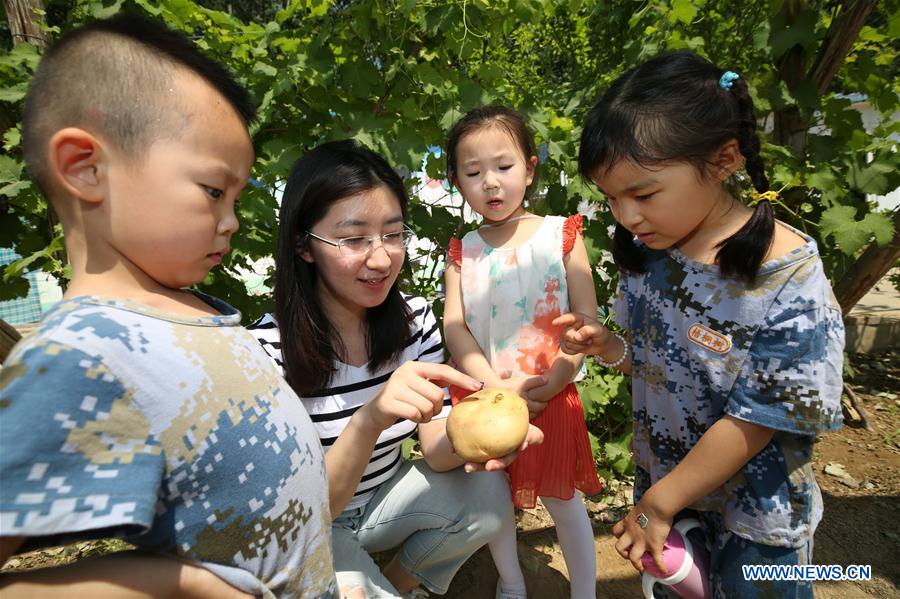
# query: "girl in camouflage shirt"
736,340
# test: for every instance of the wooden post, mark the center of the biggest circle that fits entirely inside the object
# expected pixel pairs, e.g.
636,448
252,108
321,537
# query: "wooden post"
790,124
9,336
25,21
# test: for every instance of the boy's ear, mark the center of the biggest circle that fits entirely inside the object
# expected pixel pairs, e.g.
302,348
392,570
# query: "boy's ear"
77,163
728,159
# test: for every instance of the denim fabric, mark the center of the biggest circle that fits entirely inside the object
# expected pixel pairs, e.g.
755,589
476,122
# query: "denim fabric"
435,520
730,552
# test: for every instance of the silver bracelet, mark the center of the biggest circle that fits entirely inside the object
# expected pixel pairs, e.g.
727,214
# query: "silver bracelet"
621,359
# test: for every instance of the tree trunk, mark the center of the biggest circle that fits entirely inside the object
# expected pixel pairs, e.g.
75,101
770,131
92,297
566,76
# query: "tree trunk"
790,125
791,129
837,43
26,24
25,20
874,263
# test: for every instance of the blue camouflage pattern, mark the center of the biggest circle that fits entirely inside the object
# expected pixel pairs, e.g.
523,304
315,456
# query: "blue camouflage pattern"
174,433
728,553
770,354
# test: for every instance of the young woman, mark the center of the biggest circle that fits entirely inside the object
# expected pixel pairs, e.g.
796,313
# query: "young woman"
367,363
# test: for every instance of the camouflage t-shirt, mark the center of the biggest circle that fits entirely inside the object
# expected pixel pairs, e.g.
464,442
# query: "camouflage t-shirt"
174,433
770,354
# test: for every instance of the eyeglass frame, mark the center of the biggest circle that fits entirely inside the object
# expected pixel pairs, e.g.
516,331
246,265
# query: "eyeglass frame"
339,242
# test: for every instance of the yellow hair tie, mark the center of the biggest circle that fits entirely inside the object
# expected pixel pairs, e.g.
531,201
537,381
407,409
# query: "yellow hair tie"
766,196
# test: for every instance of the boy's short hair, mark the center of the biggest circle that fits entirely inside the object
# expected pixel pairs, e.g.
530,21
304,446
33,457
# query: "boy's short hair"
114,77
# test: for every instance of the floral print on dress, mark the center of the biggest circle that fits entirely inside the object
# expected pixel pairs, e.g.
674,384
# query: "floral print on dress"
512,295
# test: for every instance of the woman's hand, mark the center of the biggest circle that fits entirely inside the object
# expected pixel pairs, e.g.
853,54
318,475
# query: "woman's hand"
535,436
633,540
414,392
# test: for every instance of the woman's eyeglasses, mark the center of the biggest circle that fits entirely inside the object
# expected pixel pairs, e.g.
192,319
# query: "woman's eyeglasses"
363,244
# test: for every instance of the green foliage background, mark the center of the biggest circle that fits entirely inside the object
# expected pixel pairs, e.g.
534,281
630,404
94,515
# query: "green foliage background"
396,74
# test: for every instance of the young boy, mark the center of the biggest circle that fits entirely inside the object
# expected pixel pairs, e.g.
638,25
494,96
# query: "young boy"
139,409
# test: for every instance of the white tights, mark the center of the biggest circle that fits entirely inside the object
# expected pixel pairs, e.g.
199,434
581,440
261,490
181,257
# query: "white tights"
576,538
506,559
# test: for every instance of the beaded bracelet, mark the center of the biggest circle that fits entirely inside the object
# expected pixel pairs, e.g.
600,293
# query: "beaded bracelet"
621,359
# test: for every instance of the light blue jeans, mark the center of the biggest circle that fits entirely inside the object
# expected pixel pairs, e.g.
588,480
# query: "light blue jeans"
436,519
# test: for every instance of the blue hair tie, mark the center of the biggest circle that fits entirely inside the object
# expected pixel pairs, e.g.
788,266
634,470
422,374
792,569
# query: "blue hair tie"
725,81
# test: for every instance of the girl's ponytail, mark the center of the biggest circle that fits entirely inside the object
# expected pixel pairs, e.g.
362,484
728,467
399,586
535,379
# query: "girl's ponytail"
742,254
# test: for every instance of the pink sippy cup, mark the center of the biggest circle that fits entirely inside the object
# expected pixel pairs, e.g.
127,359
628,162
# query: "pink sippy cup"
687,561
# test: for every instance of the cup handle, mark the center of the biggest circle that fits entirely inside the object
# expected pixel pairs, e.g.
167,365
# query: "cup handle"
647,583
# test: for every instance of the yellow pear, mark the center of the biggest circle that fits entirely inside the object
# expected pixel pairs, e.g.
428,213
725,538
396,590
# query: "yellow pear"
488,424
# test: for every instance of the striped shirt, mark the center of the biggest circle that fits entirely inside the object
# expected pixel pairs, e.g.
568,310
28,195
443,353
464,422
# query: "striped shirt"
352,387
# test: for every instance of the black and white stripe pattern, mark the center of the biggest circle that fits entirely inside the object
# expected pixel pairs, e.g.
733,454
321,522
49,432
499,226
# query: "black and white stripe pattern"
353,386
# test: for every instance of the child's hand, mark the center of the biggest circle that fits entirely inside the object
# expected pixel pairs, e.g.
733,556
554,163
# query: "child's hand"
539,396
414,392
536,406
535,436
583,335
523,385
560,374
634,540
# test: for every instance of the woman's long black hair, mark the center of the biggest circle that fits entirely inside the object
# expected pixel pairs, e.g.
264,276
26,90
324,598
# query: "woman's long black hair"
310,344
672,108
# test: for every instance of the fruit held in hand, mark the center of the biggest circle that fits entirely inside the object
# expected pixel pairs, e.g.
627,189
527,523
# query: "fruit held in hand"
488,424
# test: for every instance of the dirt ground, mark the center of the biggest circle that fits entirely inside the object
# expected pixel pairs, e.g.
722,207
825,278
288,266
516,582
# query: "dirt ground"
861,523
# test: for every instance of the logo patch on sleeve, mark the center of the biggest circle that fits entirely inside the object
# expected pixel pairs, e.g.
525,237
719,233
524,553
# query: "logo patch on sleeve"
708,338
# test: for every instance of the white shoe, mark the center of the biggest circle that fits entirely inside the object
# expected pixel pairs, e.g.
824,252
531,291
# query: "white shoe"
417,593
499,594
